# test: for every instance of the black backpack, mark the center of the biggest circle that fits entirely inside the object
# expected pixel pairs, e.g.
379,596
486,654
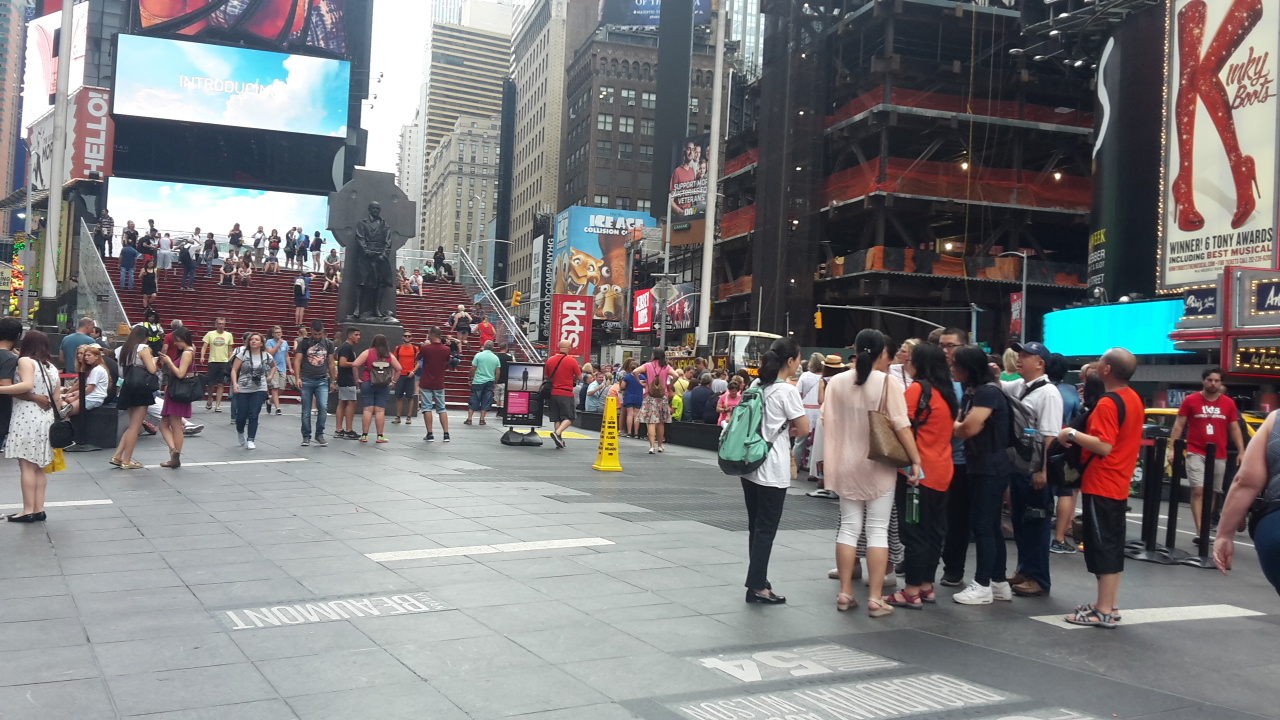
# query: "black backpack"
1066,465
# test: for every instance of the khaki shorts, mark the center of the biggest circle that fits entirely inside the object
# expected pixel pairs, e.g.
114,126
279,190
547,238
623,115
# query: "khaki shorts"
277,381
1195,471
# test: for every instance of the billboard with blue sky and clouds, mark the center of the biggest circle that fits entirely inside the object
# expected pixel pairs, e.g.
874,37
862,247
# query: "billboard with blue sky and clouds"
214,84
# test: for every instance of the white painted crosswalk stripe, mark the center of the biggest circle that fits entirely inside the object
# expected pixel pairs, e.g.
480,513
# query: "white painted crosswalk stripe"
62,503
263,461
1141,616
487,549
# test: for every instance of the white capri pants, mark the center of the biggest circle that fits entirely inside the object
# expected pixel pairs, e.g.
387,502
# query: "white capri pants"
877,514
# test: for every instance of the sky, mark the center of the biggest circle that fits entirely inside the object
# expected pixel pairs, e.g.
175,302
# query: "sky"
181,207
258,89
398,49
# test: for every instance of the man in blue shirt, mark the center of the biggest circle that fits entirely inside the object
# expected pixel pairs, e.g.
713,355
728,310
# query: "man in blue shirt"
1065,512
128,260
70,343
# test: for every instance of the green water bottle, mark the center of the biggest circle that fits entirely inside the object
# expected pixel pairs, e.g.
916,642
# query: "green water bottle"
913,505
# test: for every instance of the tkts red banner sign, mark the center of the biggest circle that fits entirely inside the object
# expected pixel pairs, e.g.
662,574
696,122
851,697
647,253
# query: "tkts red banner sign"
571,322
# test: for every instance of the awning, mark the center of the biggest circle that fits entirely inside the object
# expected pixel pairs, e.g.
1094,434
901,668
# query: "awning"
18,199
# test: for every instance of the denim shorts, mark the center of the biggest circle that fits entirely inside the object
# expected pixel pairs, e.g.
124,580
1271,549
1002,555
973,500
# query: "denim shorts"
432,400
374,395
481,396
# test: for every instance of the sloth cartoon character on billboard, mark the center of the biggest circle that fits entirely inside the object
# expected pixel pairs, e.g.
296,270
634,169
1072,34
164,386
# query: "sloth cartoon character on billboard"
591,256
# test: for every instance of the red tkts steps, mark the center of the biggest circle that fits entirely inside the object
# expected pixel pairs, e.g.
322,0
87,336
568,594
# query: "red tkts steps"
269,301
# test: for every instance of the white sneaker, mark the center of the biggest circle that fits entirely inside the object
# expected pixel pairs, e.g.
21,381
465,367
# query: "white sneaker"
890,580
240,437
1002,591
975,594
248,445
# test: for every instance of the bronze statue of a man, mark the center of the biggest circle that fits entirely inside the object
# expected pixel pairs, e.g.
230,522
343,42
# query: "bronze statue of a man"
372,265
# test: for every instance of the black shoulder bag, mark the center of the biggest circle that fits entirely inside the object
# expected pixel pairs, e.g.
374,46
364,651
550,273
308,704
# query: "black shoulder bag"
544,392
62,434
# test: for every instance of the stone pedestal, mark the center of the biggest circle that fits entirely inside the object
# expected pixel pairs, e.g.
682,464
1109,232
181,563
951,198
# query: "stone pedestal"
395,336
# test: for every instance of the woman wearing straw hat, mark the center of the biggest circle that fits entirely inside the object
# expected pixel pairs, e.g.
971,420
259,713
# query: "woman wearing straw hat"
832,365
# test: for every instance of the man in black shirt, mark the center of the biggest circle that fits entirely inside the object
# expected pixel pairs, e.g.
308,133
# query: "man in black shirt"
347,386
316,374
695,401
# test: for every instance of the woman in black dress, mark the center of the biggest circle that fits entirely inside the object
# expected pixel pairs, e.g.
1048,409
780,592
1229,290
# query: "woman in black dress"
149,283
235,240
437,260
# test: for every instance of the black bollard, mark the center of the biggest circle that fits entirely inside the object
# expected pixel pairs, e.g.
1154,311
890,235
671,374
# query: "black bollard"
1171,552
1152,485
1202,559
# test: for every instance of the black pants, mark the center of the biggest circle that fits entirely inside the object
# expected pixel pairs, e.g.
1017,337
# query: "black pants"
956,545
988,538
922,540
764,511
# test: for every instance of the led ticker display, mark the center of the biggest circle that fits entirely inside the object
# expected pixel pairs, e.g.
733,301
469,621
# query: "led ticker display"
163,79
1143,328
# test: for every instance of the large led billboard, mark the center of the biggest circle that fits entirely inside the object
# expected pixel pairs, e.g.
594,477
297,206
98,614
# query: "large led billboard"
646,12
182,207
165,79
1142,328
315,23
591,257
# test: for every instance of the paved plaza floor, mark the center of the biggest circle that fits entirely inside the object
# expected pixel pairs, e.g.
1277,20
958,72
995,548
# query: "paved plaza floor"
472,580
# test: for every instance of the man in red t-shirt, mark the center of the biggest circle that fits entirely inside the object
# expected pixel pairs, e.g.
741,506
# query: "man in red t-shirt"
434,355
1208,417
562,369
1111,449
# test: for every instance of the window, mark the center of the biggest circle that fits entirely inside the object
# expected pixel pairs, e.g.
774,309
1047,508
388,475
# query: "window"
629,97
625,151
604,148
606,95
604,122
473,182
691,130
459,203
646,153
693,106
626,124
456,226
646,127
648,100
643,205
458,192
602,201
459,182
623,203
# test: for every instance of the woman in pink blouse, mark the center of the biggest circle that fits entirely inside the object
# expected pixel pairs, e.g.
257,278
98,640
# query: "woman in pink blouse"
864,486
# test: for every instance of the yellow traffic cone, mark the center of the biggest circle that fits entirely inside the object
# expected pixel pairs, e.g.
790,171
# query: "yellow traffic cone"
607,454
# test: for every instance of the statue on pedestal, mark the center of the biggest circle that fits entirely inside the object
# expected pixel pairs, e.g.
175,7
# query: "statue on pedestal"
369,262
371,218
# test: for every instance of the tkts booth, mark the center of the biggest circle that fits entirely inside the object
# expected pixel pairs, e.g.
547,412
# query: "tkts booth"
1238,317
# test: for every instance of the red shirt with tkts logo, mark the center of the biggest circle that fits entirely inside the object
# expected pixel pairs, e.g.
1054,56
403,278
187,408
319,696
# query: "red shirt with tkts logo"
1207,422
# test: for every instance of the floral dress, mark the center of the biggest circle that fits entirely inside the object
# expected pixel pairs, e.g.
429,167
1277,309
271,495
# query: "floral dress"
29,427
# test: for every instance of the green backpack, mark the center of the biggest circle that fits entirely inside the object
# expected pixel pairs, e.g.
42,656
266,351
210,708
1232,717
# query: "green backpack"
743,448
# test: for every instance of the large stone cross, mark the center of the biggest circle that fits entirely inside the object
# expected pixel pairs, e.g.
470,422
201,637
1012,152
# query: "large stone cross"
350,205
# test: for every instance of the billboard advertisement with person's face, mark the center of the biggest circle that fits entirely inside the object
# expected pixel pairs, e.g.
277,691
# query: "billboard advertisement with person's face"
591,256
314,23
40,69
1220,151
689,178
218,85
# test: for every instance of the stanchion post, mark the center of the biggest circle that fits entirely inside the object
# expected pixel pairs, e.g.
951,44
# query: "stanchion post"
1206,505
1175,486
1152,486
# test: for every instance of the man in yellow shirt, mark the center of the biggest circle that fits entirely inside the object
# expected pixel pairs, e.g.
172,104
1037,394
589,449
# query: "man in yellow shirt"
217,353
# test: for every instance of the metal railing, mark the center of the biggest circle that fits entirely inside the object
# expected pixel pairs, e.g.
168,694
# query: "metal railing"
504,316
96,295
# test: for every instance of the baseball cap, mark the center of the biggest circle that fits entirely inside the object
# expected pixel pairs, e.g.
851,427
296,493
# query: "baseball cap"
1033,348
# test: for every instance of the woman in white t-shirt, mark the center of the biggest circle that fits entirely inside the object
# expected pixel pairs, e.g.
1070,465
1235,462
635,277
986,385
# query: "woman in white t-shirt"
766,488
97,380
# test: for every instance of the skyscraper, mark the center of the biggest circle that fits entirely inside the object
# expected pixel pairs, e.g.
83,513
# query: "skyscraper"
409,162
746,28
11,26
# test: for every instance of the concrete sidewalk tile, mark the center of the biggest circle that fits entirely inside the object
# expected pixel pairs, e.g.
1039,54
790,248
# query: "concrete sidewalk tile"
33,587
117,627
514,694
586,712
420,628
528,617
480,536
119,563
495,592
366,532
154,532
621,561
212,556
46,664
80,535
123,580
114,547
482,655
581,586
371,582
592,640
234,572
257,710
314,549
519,519
470,571
189,689
46,608
618,615
640,676
168,653
299,640
251,593
520,567
42,633
329,672
667,578
687,633
175,544
353,562
409,701
81,699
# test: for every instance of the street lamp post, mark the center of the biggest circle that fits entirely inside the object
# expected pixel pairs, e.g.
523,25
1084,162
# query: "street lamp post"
473,241
1022,328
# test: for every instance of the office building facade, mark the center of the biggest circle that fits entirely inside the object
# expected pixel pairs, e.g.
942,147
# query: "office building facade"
461,188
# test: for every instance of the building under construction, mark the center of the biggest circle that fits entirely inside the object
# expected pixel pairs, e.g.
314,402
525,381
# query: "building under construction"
905,155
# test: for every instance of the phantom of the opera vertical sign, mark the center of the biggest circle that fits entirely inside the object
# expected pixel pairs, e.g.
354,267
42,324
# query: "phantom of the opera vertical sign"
1220,154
